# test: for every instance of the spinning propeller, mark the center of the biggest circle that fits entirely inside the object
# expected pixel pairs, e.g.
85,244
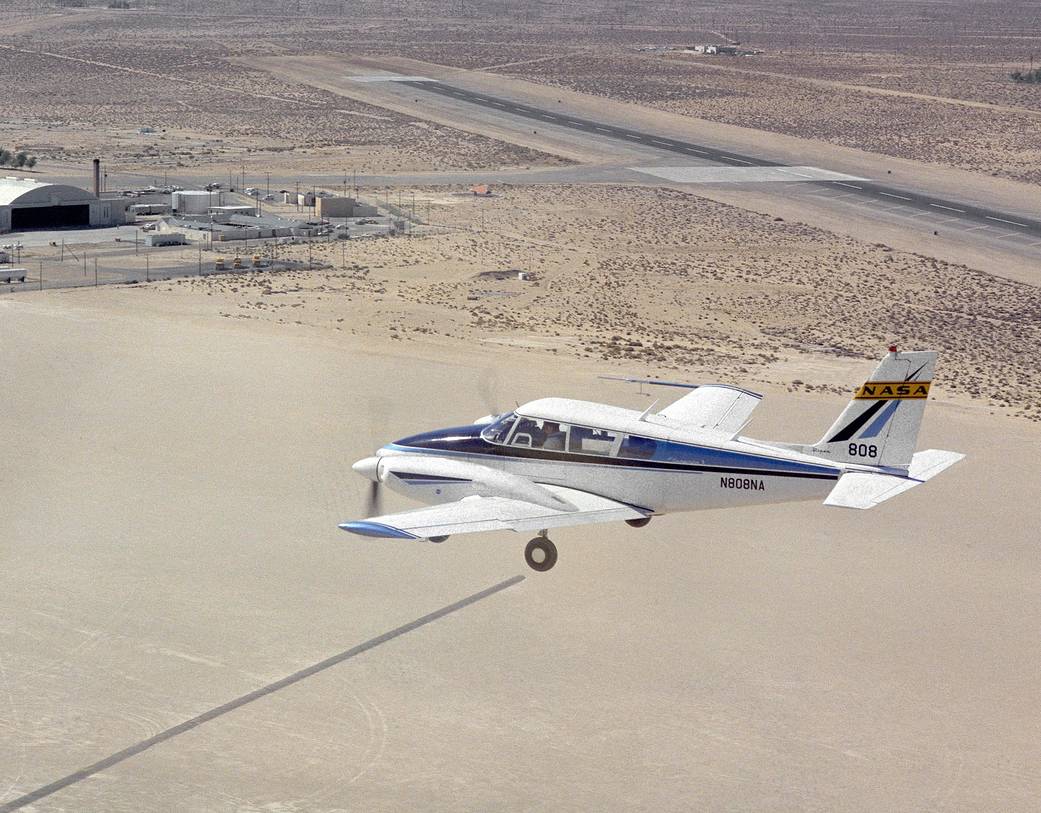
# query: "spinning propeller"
374,499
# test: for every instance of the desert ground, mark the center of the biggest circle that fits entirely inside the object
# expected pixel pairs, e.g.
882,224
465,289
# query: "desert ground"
173,482
182,624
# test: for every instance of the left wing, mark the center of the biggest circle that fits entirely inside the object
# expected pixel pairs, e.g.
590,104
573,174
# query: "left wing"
474,514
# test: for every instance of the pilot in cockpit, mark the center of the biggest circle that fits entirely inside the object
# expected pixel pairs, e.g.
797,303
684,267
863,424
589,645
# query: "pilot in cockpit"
554,436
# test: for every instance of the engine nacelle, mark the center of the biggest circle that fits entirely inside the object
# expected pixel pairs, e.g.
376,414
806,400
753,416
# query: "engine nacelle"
441,479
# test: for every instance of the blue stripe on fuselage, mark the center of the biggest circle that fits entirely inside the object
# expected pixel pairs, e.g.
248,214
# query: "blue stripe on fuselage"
667,456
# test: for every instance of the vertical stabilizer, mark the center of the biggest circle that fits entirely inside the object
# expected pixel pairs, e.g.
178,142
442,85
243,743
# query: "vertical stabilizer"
880,425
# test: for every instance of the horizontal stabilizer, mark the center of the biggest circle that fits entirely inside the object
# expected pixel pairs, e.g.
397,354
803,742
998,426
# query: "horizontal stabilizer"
865,489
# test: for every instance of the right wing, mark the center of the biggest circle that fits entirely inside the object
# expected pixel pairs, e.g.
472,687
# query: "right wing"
475,514
716,407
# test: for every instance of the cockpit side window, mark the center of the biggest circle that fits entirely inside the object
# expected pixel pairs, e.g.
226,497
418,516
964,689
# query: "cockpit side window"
498,431
592,441
537,433
638,448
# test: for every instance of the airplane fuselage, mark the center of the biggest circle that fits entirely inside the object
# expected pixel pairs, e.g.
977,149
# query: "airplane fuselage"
676,477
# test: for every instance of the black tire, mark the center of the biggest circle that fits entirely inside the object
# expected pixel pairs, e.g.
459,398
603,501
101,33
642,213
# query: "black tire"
637,523
546,551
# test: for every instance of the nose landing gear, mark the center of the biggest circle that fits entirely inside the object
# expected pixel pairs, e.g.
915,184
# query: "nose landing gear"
540,553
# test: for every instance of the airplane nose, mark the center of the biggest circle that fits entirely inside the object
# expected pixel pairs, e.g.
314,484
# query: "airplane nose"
369,468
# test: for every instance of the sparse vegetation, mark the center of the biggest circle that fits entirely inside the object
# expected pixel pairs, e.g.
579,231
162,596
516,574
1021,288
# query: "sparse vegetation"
1030,77
20,159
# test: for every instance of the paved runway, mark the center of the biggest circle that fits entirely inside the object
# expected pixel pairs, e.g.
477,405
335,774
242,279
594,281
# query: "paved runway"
882,199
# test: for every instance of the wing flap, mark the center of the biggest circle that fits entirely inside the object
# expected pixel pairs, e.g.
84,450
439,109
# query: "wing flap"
477,514
716,407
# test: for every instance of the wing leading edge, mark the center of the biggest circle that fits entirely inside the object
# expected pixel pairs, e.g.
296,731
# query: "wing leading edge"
476,514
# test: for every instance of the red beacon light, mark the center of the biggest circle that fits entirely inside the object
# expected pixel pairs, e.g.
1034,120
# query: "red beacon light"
892,348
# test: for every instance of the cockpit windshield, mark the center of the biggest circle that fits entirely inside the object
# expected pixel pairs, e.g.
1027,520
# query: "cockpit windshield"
499,429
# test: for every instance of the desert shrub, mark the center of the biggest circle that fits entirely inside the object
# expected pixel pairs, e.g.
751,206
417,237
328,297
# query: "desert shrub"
16,159
1031,77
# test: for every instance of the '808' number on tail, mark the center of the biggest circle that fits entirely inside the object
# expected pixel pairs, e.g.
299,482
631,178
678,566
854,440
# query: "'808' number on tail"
863,450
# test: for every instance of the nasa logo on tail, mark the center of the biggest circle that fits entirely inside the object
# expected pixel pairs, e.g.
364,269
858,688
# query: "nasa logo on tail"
891,390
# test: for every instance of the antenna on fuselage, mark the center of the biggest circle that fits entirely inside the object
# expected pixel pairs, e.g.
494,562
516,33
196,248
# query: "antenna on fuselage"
646,412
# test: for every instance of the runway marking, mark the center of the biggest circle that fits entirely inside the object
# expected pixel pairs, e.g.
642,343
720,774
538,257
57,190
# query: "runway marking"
696,152
1035,244
731,173
577,123
976,228
601,129
264,691
743,161
389,77
948,208
1011,222
891,195
851,186
663,143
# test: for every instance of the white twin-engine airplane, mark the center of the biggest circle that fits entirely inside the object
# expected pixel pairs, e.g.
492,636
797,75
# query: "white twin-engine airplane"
556,462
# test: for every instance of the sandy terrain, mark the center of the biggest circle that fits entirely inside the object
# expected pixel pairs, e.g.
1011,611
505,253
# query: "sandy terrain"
170,544
679,283
178,66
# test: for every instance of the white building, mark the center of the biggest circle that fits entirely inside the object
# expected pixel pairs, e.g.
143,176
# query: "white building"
195,202
27,204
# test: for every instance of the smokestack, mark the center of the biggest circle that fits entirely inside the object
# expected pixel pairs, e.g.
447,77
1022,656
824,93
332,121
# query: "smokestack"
97,177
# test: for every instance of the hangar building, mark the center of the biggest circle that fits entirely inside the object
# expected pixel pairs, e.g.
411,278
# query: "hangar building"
26,204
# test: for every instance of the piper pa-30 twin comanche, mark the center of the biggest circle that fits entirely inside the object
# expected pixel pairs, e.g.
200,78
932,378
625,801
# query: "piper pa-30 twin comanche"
557,462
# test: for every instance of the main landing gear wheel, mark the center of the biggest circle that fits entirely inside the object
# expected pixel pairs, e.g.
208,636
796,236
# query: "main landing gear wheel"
540,554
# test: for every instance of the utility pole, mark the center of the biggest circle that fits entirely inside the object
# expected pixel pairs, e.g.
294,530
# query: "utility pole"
147,274
95,272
